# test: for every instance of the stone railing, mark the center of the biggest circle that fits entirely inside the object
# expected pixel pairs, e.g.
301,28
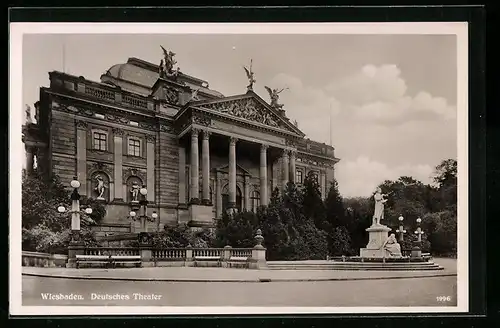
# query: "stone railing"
100,91
125,251
135,101
253,258
316,148
43,259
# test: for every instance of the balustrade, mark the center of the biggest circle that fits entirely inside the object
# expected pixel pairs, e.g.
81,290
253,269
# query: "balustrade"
100,93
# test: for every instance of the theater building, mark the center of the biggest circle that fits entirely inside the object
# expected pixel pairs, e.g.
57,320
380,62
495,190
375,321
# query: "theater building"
197,151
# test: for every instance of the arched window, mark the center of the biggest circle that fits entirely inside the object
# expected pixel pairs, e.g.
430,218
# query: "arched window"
255,200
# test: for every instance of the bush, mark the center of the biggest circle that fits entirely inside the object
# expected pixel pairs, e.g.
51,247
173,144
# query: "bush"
181,236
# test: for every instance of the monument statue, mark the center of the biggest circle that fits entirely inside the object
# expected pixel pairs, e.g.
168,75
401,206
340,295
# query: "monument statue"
28,114
135,192
167,65
100,187
380,200
250,76
391,246
274,94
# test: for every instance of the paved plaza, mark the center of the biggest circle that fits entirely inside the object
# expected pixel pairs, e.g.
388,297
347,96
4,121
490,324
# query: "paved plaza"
240,287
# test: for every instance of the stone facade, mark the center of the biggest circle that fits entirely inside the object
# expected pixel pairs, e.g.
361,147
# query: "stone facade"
197,157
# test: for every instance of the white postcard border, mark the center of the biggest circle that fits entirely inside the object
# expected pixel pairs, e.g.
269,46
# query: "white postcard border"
17,30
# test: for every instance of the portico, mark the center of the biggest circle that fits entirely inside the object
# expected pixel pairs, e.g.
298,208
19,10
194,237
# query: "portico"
235,171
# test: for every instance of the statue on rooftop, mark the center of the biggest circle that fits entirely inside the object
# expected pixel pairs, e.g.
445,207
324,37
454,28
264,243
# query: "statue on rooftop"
274,94
250,76
167,65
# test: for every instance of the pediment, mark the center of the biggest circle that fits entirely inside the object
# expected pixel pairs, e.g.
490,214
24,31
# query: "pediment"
252,108
239,170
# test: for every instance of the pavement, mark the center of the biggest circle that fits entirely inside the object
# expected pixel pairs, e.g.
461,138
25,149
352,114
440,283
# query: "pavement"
190,274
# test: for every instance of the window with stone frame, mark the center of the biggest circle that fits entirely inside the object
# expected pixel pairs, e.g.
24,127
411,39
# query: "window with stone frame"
299,176
99,140
255,200
134,147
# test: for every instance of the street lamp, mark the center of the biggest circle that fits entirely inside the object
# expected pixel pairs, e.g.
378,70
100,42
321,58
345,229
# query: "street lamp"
144,204
75,210
401,229
419,231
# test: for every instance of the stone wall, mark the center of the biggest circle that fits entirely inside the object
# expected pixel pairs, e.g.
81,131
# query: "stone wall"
63,146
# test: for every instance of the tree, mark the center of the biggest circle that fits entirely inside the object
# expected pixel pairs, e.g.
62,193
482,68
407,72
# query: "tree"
44,228
335,211
313,206
445,177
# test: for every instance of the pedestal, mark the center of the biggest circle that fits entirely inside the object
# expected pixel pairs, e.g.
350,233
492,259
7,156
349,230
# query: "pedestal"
377,236
200,216
258,259
74,248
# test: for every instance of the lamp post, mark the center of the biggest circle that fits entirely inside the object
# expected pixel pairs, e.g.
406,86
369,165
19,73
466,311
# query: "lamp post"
144,204
76,246
419,232
417,251
401,229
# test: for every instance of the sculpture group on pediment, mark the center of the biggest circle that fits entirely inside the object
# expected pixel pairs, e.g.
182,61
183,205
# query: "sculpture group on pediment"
247,109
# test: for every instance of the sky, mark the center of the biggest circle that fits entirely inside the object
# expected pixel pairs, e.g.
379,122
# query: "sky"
387,103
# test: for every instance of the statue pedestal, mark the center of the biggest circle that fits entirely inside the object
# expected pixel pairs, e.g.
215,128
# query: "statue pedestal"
377,236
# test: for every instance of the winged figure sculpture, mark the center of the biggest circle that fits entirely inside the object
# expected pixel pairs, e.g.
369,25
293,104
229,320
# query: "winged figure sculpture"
250,76
274,94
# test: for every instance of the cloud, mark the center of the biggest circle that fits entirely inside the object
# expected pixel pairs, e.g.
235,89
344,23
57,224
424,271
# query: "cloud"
379,95
361,176
311,107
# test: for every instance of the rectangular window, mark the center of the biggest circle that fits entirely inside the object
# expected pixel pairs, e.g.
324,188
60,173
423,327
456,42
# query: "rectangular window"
298,176
134,147
99,141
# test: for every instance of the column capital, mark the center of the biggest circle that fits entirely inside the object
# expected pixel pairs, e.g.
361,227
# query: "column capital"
232,141
195,132
117,132
285,153
150,138
81,124
293,153
206,134
264,147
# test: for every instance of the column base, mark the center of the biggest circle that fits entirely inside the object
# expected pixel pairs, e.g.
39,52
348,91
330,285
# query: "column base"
206,202
194,201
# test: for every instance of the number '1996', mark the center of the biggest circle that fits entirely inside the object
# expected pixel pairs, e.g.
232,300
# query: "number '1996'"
443,298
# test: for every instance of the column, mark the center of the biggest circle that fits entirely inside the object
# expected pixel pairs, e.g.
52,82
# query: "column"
150,165
29,158
292,166
195,180
118,161
263,174
286,174
232,172
205,157
81,155
218,196
247,193
182,175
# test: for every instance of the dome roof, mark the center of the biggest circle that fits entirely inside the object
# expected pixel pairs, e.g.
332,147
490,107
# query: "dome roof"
146,74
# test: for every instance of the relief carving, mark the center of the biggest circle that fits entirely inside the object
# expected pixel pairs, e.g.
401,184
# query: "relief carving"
245,108
201,120
150,138
132,172
167,128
